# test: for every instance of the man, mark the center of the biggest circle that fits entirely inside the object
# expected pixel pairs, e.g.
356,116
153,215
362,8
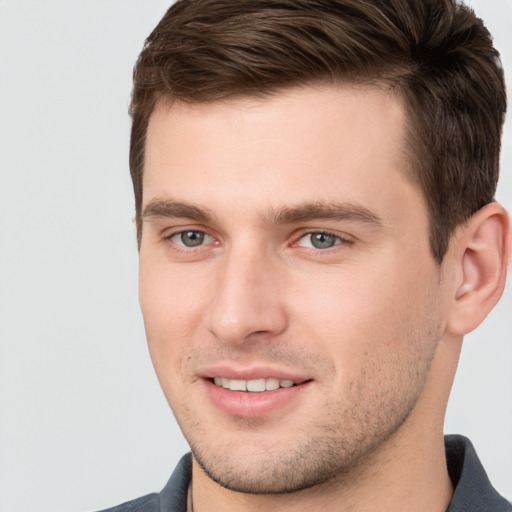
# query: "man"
314,184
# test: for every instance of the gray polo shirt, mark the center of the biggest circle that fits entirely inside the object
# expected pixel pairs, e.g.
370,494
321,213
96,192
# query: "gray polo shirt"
473,491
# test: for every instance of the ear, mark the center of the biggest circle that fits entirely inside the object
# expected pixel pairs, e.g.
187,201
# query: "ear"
482,255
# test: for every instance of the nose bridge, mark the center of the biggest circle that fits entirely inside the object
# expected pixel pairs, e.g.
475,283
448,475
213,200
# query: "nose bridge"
246,299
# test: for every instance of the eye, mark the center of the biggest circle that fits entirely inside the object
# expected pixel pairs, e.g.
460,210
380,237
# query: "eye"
190,238
320,240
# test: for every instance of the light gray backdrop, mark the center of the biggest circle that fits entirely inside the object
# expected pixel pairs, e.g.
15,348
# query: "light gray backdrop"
83,423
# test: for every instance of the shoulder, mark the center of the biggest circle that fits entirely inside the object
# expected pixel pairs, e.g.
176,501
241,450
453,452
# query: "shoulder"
148,503
172,498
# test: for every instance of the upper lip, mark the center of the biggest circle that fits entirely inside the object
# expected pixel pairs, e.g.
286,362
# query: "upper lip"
229,371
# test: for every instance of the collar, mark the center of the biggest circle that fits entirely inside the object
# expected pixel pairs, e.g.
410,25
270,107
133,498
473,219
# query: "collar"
473,490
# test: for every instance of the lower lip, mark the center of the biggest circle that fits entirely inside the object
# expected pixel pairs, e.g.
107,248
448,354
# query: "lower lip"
252,405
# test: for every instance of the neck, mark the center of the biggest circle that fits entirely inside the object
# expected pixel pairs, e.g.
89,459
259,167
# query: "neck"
413,477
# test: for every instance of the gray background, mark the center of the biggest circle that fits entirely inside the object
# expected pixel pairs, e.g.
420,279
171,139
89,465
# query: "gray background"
83,423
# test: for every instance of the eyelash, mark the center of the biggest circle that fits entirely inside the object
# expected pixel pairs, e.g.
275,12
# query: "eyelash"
339,240
182,246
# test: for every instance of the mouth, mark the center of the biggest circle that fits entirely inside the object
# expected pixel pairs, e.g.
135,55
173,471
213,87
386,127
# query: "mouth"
255,397
253,385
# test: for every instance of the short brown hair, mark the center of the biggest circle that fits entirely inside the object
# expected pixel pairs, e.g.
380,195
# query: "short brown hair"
435,53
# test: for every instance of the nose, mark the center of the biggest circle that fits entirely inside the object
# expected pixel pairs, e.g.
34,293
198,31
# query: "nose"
247,299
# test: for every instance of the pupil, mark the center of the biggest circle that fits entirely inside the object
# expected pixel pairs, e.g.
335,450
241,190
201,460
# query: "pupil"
192,238
322,240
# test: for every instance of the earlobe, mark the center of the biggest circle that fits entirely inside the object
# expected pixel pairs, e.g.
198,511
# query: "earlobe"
483,255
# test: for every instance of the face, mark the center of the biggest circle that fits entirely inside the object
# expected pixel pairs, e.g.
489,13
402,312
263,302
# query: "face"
290,298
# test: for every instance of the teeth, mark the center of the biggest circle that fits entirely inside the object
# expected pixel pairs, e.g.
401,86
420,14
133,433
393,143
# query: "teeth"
238,385
271,384
257,385
253,385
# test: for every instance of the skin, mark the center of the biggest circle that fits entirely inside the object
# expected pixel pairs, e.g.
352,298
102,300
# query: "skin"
366,322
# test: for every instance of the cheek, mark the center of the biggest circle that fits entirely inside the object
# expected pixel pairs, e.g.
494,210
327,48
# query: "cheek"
171,308
169,294
356,315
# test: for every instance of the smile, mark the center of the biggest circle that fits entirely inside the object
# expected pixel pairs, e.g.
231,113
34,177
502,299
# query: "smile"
253,385
256,397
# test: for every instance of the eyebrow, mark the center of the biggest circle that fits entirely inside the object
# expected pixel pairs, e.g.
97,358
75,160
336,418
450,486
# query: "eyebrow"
338,211
293,214
169,208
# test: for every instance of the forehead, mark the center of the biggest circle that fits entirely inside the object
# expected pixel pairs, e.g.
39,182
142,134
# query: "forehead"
303,112
305,144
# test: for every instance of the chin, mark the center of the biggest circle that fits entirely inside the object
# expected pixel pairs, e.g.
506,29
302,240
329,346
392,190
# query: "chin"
280,470
272,477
